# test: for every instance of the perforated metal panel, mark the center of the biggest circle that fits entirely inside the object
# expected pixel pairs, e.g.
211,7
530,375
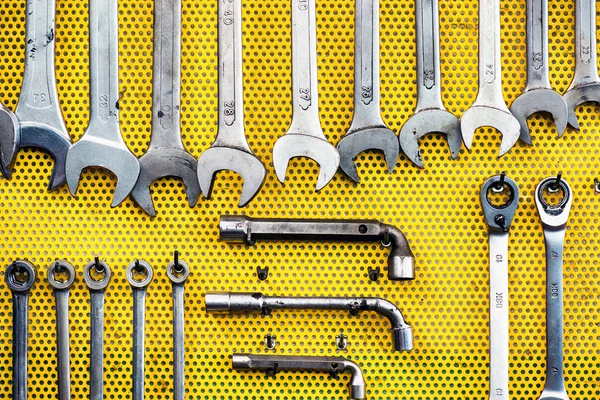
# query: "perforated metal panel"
437,208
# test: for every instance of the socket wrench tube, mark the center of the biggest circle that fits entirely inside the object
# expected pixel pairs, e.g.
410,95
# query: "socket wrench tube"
240,303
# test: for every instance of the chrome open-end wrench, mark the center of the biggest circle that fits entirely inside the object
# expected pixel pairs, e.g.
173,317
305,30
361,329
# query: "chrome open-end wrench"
554,219
102,144
166,155
305,137
97,276
61,276
19,276
585,86
178,272
139,275
230,150
538,95
489,108
368,131
430,114
499,218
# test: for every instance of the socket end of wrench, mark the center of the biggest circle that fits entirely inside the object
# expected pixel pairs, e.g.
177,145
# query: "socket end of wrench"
17,285
540,100
232,303
9,140
234,228
404,338
97,283
401,267
479,116
554,215
67,268
577,95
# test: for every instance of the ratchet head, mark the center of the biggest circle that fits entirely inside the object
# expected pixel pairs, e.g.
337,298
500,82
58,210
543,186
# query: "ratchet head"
540,100
577,95
499,214
429,121
159,163
20,276
57,268
478,116
373,138
97,275
9,139
555,215
243,163
298,145
139,274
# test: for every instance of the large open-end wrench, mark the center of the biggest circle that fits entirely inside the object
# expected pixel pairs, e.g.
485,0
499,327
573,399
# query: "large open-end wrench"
230,150
430,114
41,123
102,144
97,276
19,276
554,222
368,131
538,95
61,276
585,86
489,108
139,275
499,217
166,155
305,137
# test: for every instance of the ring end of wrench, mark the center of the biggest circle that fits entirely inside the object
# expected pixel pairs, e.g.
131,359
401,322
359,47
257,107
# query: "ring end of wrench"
13,283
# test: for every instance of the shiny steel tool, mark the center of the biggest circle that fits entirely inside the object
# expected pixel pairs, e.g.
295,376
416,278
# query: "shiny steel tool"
368,131
401,261
97,276
585,87
61,276
139,275
166,155
20,277
499,217
239,303
9,131
538,95
272,364
40,119
489,108
305,137
230,150
554,219
430,114
102,144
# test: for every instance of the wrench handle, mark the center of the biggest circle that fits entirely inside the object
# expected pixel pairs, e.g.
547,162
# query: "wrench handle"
586,70
139,319
178,342
537,45
19,347
490,68
97,345
428,55
62,344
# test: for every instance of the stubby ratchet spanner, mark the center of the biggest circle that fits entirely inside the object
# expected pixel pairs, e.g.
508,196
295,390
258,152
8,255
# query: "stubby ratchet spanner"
430,114
368,131
554,219
19,276
102,144
61,276
499,217
305,137
230,150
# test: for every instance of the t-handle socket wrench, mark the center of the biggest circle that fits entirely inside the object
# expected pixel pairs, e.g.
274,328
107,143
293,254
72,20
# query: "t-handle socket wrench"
401,261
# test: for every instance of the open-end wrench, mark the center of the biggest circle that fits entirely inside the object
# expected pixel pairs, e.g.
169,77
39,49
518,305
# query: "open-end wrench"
538,95
97,276
9,131
230,150
367,131
272,364
499,217
489,108
178,271
305,137
585,86
19,276
166,155
139,275
102,144
554,219
41,123
430,114
61,276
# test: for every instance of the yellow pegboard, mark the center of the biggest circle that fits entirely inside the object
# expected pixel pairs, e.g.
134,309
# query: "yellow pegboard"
437,208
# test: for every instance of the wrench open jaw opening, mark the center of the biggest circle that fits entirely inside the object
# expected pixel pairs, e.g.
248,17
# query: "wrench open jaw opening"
9,140
479,116
540,100
578,95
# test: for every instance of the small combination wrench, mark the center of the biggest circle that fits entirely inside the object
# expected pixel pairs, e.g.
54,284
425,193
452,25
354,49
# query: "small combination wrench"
430,114
230,150
61,276
499,218
367,131
305,137
20,277
554,219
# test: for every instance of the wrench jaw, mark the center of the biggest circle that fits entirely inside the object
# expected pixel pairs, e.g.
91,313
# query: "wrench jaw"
425,122
373,138
540,100
293,145
577,95
479,116
245,164
9,140
553,395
